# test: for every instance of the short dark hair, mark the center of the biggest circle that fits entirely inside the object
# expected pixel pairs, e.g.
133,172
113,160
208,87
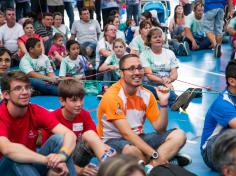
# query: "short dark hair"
144,23
125,57
57,36
222,150
230,71
83,9
71,42
3,50
27,21
31,43
71,88
45,14
11,76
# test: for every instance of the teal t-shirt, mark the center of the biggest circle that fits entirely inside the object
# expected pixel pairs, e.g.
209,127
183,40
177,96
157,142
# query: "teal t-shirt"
195,26
72,68
40,65
161,64
137,44
113,60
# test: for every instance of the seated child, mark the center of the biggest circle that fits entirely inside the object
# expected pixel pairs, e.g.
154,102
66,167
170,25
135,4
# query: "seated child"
72,115
37,66
130,30
74,65
111,64
57,50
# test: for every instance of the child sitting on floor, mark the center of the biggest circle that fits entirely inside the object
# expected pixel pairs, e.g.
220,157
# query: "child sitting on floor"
57,50
74,65
37,66
72,115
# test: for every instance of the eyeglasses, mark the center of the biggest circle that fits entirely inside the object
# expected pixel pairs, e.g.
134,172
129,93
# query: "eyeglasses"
20,89
132,69
7,61
119,46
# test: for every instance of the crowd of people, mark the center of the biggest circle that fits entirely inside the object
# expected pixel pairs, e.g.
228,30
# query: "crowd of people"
50,58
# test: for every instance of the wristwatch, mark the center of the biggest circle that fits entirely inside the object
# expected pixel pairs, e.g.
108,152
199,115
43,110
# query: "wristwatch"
154,155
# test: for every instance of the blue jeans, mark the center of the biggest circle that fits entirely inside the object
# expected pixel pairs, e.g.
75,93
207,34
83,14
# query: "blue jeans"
154,139
70,12
203,43
133,10
110,76
44,87
5,4
9,167
22,8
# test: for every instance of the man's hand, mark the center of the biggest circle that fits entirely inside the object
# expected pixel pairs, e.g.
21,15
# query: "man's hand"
163,94
89,170
60,170
166,80
195,45
54,159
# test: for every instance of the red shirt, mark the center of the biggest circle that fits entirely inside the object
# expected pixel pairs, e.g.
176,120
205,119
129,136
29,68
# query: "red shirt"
24,130
80,124
59,49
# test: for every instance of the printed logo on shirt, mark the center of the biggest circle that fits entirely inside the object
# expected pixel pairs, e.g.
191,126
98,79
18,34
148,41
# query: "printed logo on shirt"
77,127
118,109
31,135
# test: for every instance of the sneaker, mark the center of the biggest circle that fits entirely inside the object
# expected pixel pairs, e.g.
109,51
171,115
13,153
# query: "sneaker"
181,160
217,51
195,93
181,50
100,95
182,100
186,48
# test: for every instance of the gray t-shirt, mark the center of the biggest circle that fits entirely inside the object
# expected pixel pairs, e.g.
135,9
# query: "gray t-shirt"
86,32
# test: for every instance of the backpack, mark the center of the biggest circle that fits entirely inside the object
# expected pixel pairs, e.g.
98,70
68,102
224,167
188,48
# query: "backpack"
170,170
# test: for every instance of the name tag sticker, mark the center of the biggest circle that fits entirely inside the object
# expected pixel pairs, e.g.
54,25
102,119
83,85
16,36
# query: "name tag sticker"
78,127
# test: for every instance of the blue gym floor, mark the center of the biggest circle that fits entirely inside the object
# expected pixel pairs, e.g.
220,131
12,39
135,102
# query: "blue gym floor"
200,69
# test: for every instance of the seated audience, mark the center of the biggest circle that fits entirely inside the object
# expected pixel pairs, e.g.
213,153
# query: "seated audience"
116,22
122,113
38,67
29,33
220,116
193,30
20,122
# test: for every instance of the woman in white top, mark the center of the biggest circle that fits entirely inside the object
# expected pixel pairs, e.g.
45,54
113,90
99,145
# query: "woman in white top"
58,27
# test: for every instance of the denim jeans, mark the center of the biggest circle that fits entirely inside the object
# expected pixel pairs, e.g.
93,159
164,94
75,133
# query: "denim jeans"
70,12
110,76
5,4
203,43
22,8
9,167
44,87
133,10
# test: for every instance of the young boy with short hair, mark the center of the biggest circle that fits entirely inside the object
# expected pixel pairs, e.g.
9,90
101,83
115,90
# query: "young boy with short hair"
37,66
72,115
